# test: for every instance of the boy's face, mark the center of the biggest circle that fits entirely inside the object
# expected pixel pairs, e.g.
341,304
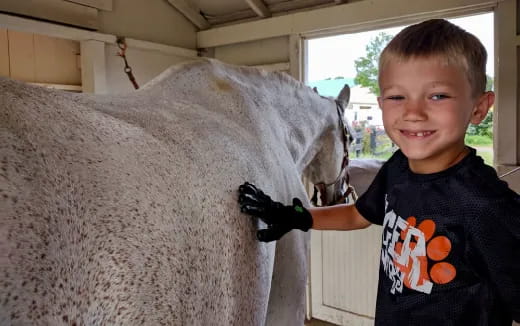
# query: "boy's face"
427,106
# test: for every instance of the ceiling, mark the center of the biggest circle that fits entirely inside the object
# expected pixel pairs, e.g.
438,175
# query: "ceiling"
206,14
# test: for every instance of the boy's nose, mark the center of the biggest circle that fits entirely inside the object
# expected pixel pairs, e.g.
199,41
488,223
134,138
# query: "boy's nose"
414,111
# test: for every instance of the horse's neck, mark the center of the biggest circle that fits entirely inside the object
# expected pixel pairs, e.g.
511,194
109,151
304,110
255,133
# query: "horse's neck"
278,105
296,115
310,119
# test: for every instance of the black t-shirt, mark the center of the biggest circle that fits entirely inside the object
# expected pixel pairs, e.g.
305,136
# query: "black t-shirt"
450,246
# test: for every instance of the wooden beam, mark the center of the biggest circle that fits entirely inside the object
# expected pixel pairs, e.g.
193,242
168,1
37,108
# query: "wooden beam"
76,34
191,13
296,57
232,17
54,10
50,29
274,8
355,16
93,67
297,5
259,7
98,4
506,117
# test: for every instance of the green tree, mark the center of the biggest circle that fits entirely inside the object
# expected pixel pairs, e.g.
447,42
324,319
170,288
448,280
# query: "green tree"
485,128
489,83
367,66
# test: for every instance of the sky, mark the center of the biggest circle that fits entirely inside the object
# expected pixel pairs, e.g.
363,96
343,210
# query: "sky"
331,57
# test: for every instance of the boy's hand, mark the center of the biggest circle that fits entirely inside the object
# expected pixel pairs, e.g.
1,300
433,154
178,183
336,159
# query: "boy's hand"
279,218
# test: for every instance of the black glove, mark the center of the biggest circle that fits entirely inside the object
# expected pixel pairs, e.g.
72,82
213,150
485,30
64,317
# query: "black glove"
279,218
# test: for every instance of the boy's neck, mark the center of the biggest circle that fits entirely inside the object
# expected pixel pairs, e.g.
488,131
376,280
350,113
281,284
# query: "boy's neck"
441,164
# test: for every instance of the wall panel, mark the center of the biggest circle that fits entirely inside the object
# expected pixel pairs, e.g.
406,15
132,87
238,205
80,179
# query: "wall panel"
273,50
4,53
56,61
22,56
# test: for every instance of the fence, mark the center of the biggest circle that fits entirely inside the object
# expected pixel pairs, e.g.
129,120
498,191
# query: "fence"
372,141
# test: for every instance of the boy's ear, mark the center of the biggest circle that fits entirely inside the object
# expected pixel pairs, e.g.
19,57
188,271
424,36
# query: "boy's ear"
482,106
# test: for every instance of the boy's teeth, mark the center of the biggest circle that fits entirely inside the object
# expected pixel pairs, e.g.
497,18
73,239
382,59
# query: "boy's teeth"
420,133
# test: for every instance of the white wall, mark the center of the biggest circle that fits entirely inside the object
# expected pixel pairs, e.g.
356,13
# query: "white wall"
145,64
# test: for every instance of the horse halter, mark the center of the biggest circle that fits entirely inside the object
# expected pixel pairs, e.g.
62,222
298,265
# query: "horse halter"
342,182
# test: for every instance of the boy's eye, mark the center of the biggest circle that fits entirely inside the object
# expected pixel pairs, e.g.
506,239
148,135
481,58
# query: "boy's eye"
395,97
437,97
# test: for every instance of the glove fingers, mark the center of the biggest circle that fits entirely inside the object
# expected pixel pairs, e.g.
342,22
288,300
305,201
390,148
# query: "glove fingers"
297,202
254,210
272,233
250,189
257,211
249,199
247,188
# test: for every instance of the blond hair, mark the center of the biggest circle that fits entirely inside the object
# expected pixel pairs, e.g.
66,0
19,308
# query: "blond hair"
442,39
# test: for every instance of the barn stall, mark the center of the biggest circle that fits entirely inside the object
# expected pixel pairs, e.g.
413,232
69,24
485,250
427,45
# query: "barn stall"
73,45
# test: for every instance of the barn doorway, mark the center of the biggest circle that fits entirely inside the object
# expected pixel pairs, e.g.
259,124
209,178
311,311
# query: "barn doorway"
344,265
352,59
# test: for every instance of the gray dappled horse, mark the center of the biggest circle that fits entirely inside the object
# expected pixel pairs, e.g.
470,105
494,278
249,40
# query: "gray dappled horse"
122,210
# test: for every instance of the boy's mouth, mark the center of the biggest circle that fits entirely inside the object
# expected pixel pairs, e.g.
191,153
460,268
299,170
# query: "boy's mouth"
420,134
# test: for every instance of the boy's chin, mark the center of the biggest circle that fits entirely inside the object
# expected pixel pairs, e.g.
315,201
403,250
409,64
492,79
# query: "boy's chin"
416,155
431,156
415,152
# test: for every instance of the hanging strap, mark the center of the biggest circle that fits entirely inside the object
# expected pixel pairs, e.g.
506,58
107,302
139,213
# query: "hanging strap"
121,43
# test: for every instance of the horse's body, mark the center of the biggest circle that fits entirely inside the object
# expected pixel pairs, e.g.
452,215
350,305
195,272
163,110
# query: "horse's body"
122,209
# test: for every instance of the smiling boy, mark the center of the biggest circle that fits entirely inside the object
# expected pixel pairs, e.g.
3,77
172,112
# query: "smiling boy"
451,229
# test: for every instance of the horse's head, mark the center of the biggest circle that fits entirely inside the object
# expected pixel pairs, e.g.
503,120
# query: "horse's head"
328,169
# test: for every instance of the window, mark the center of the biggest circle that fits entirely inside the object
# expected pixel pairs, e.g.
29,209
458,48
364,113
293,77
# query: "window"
331,63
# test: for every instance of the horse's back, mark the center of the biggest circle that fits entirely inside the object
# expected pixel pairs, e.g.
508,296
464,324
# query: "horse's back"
124,215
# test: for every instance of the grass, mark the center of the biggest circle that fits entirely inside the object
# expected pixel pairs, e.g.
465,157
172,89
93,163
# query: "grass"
486,152
477,140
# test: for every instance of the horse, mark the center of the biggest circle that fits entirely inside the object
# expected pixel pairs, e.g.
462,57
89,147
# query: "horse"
122,209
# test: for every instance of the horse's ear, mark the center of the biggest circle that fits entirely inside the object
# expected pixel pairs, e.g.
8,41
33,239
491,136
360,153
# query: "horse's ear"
344,96
315,89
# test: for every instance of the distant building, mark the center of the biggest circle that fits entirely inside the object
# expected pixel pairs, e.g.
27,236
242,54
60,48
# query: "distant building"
363,104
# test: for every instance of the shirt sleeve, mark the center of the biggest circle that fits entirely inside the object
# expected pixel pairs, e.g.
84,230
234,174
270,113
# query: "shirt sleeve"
371,204
495,243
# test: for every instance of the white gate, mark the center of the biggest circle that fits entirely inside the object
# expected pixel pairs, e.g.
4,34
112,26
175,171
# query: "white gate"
344,275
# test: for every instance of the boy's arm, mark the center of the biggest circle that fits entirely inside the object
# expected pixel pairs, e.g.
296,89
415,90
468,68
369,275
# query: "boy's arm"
339,217
280,218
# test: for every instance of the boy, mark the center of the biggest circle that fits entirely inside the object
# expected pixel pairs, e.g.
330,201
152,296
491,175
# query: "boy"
451,229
